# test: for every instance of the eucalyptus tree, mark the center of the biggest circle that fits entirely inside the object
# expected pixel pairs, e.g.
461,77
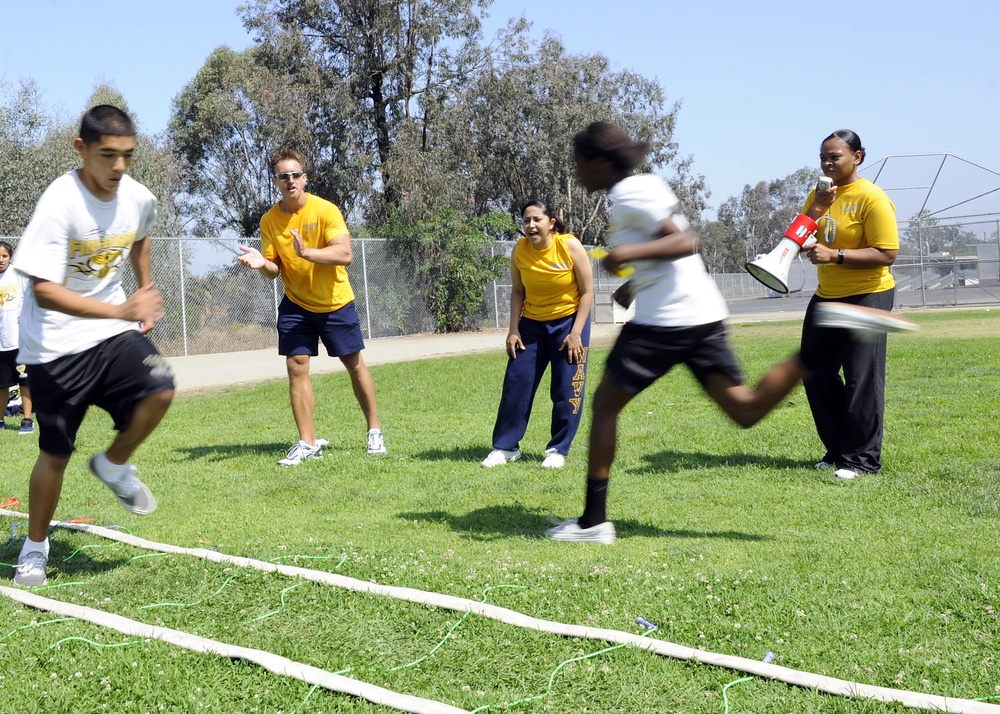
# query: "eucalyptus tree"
753,222
226,124
366,64
513,126
33,155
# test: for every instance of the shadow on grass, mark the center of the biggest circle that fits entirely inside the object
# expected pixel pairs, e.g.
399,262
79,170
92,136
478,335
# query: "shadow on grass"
459,453
496,522
220,452
677,461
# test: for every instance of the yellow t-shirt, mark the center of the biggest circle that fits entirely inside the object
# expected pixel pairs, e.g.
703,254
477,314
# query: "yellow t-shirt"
862,216
550,288
317,288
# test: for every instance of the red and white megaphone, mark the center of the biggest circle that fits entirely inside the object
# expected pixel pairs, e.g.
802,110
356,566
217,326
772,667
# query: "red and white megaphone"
772,269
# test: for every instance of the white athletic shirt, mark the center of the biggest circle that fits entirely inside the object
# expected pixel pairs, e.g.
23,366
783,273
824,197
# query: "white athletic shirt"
83,244
669,293
12,288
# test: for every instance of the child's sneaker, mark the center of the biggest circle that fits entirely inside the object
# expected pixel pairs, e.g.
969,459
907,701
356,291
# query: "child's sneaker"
300,452
27,427
376,442
30,571
132,493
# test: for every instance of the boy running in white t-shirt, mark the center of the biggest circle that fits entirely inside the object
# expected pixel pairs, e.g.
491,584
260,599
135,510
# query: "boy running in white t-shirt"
82,341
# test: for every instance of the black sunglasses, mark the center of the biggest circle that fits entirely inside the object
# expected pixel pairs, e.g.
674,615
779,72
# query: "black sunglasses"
285,175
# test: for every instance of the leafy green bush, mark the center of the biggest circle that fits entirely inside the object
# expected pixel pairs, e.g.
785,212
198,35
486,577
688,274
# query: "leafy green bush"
452,262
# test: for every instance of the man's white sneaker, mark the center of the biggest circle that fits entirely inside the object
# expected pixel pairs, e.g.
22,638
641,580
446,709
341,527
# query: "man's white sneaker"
824,465
570,530
30,571
553,460
132,493
300,452
848,474
499,457
376,443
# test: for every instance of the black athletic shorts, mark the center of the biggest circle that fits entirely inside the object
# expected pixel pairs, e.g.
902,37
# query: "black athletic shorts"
644,353
113,375
9,372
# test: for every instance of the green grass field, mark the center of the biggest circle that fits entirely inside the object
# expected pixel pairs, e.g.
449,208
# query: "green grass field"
729,540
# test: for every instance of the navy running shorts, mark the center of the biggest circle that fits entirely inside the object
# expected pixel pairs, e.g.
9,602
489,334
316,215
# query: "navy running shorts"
300,330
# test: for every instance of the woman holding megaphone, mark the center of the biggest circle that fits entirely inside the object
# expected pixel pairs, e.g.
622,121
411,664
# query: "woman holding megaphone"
857,241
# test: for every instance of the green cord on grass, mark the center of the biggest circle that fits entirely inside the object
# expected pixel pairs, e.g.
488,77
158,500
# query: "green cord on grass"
95,644
725,699
552,677
275,612
187,604
455,627
35,624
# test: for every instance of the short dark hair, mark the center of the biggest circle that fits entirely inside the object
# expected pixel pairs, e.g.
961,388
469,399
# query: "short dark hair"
603,139
8,246
547,210
287,155
849,138
105,120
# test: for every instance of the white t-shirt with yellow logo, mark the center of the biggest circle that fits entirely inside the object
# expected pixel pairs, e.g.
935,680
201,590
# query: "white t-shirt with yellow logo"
13,285
82,243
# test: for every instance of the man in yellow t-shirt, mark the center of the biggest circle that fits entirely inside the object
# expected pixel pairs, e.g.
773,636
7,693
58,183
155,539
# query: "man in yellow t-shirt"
305,240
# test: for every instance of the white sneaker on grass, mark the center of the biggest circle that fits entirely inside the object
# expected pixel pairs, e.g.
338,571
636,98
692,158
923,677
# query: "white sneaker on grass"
553,460
499,457
376,442
848,474
300,452
132,493
30,571
570,530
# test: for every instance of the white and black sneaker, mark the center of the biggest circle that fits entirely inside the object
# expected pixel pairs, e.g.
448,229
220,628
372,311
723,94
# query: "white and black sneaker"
570,530
132,493
300,452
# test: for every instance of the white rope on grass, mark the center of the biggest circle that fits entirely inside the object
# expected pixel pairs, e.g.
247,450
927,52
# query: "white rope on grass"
798,678
268,660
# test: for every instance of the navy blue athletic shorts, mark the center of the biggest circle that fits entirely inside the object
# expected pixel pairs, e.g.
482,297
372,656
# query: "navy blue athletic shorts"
300,330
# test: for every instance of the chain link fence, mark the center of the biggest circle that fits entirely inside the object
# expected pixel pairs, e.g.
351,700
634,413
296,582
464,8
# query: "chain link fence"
214,304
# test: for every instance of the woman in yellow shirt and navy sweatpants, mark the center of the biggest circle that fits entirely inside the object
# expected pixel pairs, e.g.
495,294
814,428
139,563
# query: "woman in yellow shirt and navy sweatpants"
551,295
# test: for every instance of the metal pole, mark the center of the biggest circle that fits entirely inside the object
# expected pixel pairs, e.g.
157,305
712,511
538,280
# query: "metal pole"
368,302
184,322
920,248
274,298
496,298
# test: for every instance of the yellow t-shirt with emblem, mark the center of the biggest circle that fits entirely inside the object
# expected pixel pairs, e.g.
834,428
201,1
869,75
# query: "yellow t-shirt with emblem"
317,288
550,288
862,216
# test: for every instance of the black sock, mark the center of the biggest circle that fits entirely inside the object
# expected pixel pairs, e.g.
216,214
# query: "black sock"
595,509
